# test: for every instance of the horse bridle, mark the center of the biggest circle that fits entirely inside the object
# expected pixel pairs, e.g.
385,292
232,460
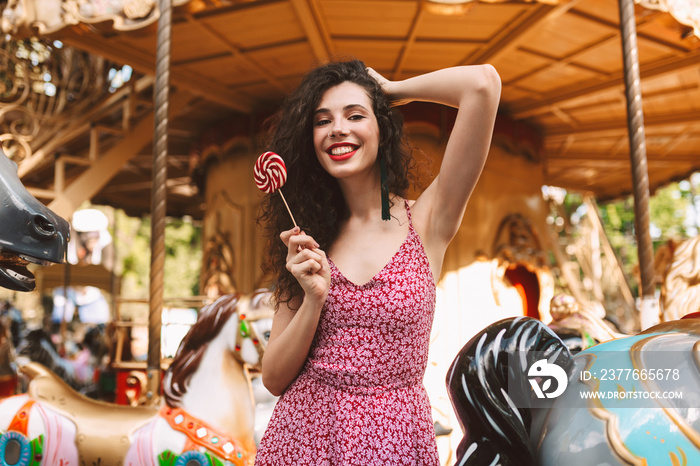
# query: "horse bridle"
247,330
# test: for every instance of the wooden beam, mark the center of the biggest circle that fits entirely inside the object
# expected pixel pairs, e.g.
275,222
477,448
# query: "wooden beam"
42,193
587,158
237,52
322,26
145,63
76,127
98,175
320,42
410,41
621,124
560,62
509,39
529,107
649,17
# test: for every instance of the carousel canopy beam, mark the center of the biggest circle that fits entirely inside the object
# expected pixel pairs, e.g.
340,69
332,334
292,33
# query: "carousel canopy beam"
98,175
410,42
583,161
559,62
648,17
236,52
145,63
316,32
510,38
661,67
686,118
77,127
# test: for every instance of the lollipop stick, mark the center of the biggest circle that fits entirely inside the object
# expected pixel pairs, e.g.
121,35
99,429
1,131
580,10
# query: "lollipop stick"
287,205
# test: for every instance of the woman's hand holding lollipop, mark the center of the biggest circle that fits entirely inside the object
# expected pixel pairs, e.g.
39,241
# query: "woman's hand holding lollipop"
305,260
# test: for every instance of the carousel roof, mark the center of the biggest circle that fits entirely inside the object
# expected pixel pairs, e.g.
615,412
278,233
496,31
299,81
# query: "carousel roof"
560,62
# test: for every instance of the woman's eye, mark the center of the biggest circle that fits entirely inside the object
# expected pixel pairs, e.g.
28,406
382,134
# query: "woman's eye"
322,122
357,117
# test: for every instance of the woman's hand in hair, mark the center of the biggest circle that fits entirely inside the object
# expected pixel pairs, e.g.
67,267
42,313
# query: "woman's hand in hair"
387,86
308,263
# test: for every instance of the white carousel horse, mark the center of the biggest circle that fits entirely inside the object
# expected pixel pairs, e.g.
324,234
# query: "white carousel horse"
207,417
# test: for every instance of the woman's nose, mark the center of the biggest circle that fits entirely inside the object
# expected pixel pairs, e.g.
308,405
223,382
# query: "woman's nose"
338,129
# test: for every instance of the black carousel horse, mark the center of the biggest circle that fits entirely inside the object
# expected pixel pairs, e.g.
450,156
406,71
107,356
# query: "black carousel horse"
611,409
78,371
29,231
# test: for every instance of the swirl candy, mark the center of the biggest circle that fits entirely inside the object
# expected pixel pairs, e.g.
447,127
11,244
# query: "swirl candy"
270,172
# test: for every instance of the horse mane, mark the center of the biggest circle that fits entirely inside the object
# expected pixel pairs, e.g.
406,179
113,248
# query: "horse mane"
495,431
210,321
680,293
38,347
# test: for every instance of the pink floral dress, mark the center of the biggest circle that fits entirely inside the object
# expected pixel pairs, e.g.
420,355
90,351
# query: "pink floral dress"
360,398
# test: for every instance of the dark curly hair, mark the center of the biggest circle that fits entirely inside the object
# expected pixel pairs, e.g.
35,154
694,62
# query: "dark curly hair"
313,195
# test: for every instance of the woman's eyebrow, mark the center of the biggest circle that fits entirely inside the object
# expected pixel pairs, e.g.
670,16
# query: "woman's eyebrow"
347,107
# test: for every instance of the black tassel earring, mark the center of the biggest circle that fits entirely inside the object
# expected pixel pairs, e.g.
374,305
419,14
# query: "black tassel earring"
383,179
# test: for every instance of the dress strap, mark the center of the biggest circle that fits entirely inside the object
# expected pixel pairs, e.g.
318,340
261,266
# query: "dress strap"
408,211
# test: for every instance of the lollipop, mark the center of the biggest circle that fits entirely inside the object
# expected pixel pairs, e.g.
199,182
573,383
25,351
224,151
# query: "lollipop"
270,174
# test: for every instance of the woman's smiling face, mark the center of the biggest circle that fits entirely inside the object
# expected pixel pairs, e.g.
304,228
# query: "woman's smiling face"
346,133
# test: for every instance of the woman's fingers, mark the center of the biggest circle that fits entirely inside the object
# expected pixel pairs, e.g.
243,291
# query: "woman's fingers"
307,267
286,235
298,242
378,77
303,256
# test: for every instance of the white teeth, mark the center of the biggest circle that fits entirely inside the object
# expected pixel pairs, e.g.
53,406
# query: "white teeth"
341,150
17,276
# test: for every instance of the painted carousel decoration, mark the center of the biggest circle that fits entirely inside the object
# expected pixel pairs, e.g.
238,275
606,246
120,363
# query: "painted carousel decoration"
505,421
207,417
29,17
686,12
522,263
579,327
43,86
680,290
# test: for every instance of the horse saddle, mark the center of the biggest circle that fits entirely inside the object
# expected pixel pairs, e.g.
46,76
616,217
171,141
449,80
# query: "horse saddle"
103,429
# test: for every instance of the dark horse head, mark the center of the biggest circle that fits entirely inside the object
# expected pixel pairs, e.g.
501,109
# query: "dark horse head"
29,231
483,381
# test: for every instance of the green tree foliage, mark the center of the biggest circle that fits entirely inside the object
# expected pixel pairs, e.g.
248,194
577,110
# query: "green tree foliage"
618,221
673,210
669,208
183,256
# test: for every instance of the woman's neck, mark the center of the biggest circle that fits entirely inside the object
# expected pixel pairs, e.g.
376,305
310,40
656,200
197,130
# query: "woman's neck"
362,196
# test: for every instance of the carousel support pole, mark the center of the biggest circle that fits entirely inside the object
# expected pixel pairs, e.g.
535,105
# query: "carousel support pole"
649,309
158,196
63,327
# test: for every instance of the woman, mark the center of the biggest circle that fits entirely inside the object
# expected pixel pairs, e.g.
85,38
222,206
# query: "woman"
355,289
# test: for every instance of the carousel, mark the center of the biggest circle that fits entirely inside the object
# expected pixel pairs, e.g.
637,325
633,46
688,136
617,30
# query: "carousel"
160,108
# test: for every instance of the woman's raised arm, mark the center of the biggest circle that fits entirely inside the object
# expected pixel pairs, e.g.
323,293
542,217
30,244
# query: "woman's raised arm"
475,91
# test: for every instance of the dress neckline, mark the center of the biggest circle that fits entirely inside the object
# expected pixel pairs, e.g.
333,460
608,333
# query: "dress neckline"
401,247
